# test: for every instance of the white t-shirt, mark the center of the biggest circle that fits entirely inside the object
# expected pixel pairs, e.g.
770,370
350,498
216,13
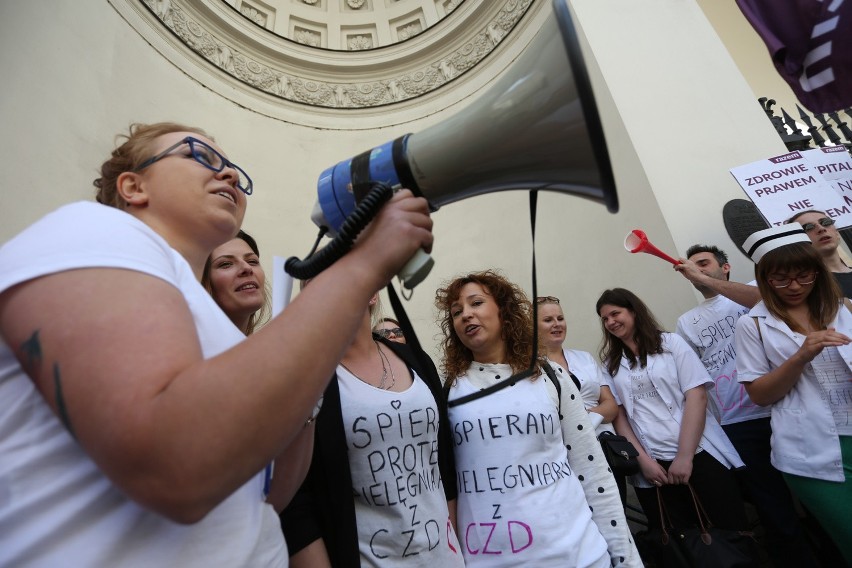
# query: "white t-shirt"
400,505
709,329
590,376
651,419
519,501
56,507
672,372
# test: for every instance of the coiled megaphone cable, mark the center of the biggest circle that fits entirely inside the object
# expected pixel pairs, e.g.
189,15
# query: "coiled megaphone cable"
342,243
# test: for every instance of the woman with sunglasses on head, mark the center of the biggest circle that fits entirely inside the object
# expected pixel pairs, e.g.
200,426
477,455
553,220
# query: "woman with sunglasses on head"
533,485
381,487
660,385
389,329
125,380
794,353
825,237
581,367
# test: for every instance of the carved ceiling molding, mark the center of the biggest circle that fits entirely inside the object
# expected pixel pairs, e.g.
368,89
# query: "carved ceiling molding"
346,24
361,79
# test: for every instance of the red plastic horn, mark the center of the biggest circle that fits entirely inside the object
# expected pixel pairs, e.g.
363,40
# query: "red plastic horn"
637,241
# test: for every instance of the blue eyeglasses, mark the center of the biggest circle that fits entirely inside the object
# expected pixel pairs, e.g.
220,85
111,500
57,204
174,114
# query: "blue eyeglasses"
205,155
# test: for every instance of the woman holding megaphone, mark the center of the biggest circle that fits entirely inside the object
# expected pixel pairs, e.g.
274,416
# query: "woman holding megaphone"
125,380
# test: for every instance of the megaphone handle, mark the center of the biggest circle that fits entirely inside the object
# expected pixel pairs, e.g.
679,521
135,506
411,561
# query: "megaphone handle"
664,256
416,269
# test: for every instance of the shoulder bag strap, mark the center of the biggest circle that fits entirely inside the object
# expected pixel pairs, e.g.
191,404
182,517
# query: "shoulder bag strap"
548,370
703,519
576,380
665,521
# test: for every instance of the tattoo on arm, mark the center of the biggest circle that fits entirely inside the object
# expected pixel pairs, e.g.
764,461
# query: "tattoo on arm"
31,351
32,359
60,400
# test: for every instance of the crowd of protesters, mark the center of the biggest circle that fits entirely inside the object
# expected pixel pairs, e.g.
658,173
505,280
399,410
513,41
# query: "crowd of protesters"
151,413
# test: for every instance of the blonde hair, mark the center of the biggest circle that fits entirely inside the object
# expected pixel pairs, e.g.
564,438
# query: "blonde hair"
376,312
137,147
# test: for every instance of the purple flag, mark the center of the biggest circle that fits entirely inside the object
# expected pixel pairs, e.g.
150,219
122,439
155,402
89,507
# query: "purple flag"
810,42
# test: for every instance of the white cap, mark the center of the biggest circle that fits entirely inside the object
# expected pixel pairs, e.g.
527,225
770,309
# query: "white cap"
761,242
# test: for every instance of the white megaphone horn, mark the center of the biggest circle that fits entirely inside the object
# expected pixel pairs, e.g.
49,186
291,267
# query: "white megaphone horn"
536,128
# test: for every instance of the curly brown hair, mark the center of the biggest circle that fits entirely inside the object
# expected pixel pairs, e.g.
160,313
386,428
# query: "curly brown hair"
515,315
137,148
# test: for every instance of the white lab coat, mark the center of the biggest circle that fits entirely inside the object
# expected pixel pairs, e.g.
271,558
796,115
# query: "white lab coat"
804,437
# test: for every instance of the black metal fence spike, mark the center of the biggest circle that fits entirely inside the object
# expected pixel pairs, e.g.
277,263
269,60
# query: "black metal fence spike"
797,139
794,138
827,128
789,121
847,133
813,130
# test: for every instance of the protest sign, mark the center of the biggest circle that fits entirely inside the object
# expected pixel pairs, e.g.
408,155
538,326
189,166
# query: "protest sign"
834,164
784,185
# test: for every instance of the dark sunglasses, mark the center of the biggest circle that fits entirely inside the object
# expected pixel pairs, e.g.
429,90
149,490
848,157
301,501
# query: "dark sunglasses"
388,333
824,222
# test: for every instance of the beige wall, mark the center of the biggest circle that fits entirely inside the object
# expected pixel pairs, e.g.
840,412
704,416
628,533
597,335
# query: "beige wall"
76,74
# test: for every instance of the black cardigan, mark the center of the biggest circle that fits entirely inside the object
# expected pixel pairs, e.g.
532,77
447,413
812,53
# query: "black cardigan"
323,507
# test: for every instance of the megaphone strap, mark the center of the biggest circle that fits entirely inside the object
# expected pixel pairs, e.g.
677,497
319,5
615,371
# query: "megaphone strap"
407,329
414,342
529,371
